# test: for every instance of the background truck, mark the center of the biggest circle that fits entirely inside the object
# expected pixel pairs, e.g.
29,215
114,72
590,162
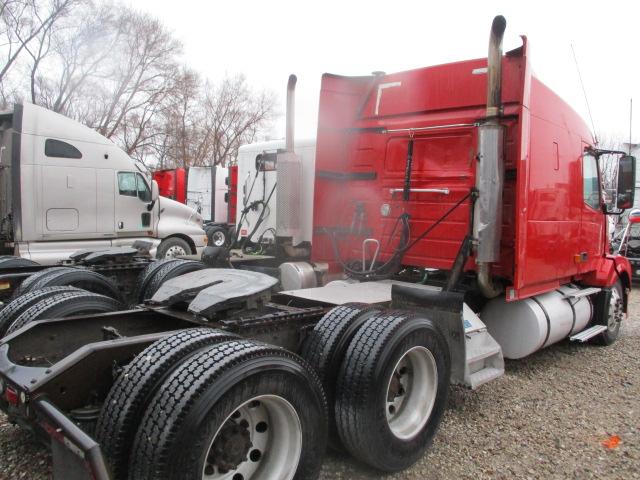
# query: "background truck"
193,187
257,210
64,187
459,209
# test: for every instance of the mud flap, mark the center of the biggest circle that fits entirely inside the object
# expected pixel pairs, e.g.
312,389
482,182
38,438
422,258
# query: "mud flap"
445,309
76,456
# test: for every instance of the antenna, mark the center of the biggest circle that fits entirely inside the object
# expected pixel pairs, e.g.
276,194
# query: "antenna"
585,94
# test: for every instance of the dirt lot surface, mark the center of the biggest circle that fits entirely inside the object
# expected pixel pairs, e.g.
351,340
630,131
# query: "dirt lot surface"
549,417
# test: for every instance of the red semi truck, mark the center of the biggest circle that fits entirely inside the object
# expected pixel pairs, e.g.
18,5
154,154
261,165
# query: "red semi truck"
458,221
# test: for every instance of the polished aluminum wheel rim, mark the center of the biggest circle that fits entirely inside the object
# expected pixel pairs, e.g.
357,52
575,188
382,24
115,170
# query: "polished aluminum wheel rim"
218,239
411,393
274,441
616,312
175,251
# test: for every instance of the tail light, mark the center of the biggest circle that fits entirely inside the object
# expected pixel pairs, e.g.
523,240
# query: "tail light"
12,396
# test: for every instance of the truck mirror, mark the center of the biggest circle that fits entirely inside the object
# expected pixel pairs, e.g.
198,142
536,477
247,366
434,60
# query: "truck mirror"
626,182
155,191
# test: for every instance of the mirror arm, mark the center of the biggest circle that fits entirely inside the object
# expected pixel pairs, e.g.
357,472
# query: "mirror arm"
151,205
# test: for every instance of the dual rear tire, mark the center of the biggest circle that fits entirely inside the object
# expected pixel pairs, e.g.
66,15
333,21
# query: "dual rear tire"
220,408
389,390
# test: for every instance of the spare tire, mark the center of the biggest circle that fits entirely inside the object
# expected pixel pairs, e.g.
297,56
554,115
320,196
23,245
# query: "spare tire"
18,306
169,271
64,305
147,275
76,277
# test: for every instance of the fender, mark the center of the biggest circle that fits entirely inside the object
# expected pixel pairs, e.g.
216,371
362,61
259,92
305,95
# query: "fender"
610,269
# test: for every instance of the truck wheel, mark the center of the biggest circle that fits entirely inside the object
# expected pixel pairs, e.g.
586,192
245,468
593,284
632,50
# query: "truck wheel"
218,236
28,282
173,247
76,277
133,389
613,318
64,305
325,348
168,271
392,390
239,409
147,274
19,305
11,261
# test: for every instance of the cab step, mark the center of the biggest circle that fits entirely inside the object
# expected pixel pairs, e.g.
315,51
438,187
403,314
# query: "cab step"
588,334
483,356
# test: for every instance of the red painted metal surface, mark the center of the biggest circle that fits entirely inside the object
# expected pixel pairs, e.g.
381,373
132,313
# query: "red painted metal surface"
549,235
172,183
232,195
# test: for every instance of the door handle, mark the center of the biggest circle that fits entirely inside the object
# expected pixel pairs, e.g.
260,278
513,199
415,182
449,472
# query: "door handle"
120,225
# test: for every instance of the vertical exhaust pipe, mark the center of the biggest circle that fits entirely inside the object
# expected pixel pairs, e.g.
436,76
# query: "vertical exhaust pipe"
494,67
289,178
291,112
487,224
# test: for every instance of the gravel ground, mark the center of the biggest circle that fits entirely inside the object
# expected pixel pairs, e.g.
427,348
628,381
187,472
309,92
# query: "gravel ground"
546,418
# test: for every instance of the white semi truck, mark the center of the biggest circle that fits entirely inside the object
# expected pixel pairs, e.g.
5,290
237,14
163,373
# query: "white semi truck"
257,214
65,187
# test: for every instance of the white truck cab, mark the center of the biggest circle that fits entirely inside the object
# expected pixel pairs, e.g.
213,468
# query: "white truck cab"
64,187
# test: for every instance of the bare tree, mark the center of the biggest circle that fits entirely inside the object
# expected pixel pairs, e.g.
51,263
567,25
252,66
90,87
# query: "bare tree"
236,115
78,61
119,72
22,22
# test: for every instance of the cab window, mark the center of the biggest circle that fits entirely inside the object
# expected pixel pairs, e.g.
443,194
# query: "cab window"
591,183
60,149
133,185
127,184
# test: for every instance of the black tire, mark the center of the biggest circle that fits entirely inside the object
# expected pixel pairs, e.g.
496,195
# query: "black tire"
28,282
19,305
147,274
201,395
170,248
326,345
218,236
64,305
11,261
77,277
611,316
168,271
128,398
364,381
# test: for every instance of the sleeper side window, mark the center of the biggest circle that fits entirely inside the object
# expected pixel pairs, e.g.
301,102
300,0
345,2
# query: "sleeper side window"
59,149
591,183
127,184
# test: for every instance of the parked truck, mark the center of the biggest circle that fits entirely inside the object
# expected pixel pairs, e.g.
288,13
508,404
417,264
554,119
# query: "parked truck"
258,228
65,187
193,187
459,217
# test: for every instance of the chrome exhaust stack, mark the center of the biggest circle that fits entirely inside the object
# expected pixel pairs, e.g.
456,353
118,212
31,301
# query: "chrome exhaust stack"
487,221
291,112
289,179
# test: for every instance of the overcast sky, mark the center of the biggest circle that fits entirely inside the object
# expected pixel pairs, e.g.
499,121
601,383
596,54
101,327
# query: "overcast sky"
268,40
